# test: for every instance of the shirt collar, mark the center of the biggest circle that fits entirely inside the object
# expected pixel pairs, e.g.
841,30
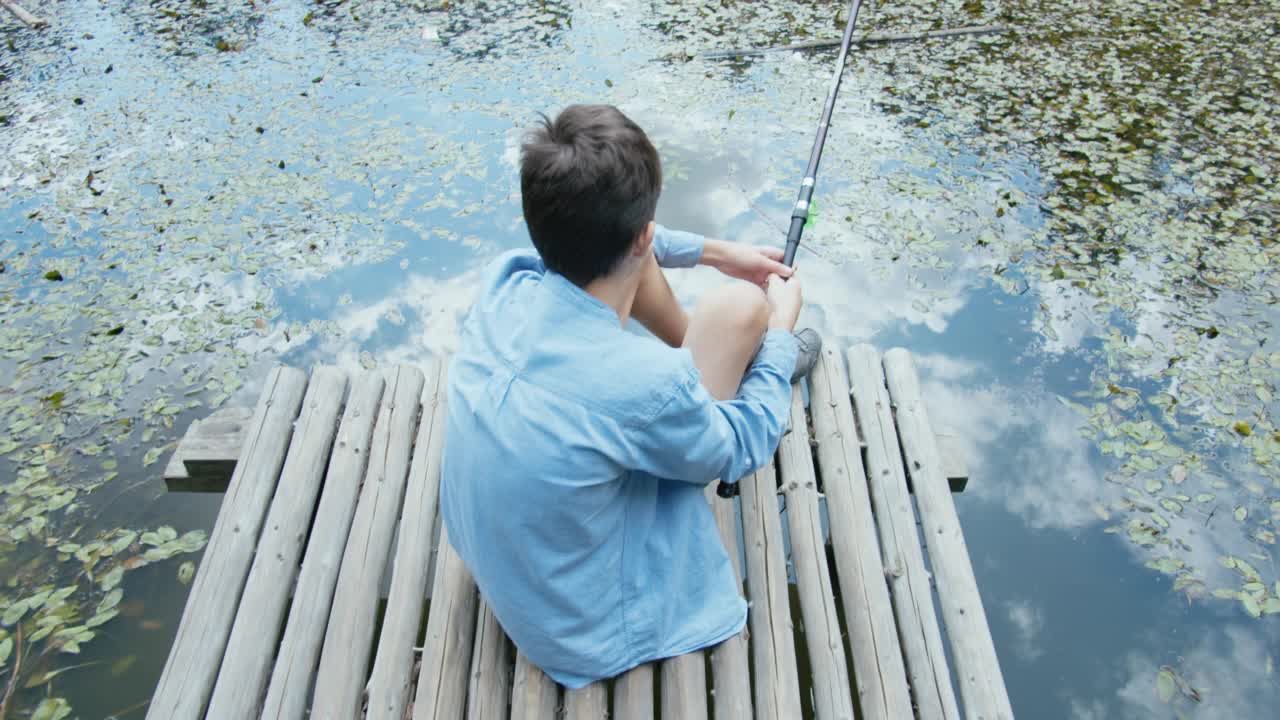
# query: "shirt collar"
589,304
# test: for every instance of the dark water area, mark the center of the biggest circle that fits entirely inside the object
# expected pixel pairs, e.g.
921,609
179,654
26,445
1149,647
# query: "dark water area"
221,186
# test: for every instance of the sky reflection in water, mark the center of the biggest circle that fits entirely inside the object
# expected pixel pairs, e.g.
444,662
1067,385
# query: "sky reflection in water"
354,225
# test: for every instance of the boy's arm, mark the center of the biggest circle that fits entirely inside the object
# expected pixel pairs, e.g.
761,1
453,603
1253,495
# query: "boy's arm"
697,439
676,248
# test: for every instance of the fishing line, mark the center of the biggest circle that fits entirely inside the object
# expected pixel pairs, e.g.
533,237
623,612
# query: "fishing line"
800,212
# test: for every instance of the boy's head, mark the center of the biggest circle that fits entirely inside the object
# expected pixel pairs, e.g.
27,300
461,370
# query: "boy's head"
589,184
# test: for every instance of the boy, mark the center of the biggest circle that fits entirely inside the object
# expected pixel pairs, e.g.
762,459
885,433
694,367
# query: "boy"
573,480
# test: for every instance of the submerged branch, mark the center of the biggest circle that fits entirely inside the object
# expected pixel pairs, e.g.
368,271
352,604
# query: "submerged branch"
26,17
861,40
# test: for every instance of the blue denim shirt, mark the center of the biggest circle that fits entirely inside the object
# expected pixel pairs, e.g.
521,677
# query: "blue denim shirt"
573,476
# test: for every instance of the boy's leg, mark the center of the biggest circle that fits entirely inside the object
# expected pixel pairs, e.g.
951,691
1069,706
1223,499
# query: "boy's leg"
656,307
724,334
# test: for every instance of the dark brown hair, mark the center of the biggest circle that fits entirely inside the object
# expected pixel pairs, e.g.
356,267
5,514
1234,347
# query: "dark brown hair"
589,184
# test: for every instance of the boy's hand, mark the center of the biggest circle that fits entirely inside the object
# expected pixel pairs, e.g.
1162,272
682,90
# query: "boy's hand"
785,299
745,262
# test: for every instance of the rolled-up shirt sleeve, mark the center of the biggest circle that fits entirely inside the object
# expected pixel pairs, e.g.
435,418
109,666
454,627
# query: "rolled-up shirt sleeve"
695,438
676,248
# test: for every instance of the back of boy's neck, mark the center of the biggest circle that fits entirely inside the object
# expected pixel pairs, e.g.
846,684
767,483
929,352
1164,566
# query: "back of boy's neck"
617,292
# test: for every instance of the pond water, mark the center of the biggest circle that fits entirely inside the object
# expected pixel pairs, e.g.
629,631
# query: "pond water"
1071,224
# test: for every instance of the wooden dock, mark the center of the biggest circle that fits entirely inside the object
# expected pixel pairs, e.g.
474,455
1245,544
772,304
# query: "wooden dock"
331,507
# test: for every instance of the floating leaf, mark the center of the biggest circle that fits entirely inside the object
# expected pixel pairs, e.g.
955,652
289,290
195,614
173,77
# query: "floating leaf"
1242,428
1166,686
111,600
1166,565
53,275
1241,513
186,571
1251,605
112,578
52,709
14,613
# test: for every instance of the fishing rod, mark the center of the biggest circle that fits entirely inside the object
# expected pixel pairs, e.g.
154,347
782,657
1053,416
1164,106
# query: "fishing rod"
800,213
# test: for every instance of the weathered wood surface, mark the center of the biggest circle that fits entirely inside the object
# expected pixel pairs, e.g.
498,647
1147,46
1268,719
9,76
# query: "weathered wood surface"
196,653
879,674
633,694
388,690
19,12
777,680
446,652
730,669
290,685
684,686
466,667
831,686
973,652
490,687
902,556
206,456
588,703
246,663
534,696
344,657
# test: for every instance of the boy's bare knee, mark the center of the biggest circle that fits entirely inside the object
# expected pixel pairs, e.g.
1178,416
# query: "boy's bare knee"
741,305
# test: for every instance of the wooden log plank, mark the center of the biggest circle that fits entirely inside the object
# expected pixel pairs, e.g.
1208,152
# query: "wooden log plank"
867,39
246,664
192,666
773,651
446,651
299,651
388,689
684,687
535,696
633,694
588,703
19,12
973,652
344,658
903,558
206,455
832,699
879,673
490,687
730,671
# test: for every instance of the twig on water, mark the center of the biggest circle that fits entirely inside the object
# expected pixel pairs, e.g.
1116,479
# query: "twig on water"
863,40
13,679
27,18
